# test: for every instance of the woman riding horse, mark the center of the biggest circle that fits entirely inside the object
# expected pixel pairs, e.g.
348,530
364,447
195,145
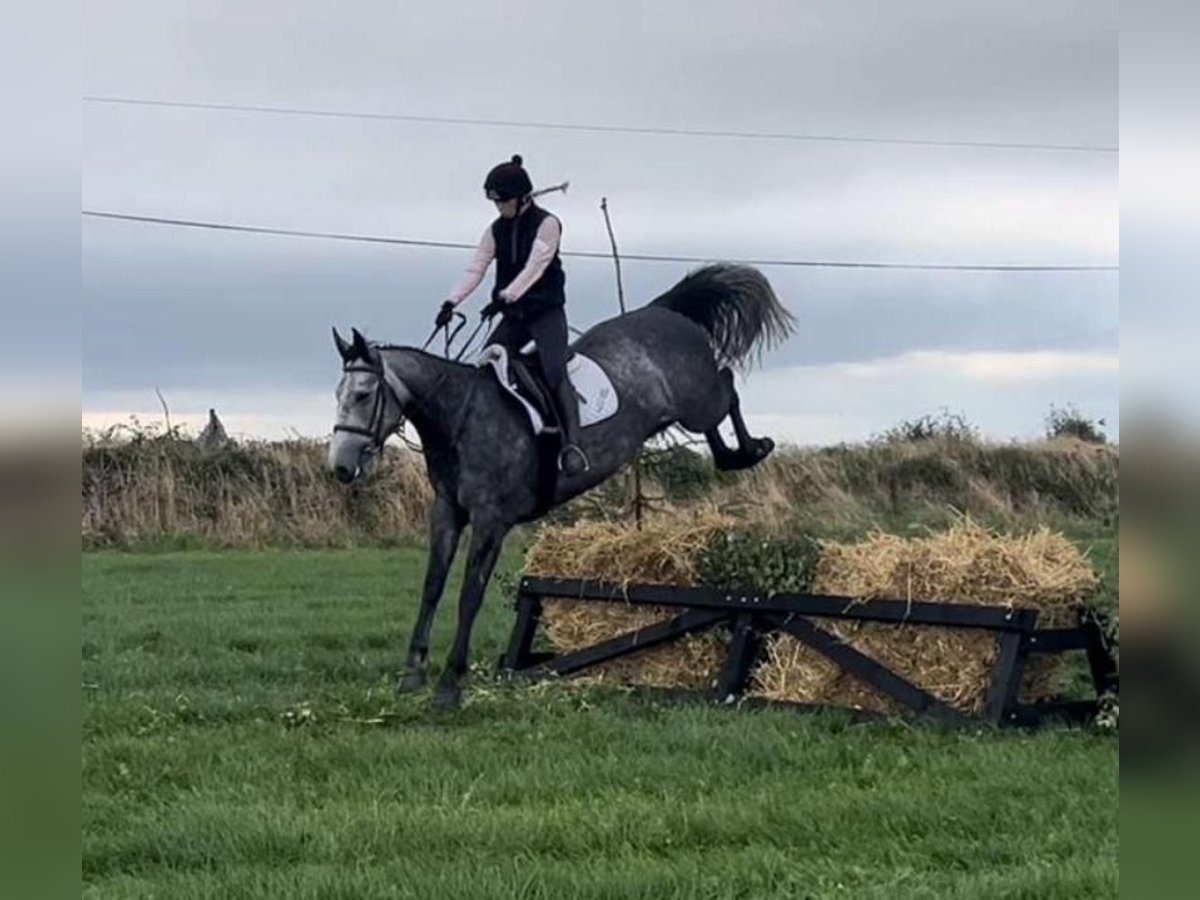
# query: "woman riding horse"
529,292
670,361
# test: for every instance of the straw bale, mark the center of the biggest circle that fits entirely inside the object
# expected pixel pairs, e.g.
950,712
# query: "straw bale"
968,564
664,551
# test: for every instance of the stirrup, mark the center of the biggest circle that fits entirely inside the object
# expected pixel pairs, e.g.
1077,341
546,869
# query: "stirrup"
576,448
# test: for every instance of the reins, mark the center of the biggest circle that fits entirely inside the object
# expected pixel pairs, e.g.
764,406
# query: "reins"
451,334
374,428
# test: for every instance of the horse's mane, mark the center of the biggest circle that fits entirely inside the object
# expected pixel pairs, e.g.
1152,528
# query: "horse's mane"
384,346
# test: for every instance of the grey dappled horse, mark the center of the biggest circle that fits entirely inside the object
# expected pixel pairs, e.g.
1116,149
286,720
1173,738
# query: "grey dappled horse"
669,362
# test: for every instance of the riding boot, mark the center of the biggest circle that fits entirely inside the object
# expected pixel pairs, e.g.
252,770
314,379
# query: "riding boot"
571,460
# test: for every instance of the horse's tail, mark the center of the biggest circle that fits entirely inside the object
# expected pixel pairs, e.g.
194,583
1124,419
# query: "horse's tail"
736,305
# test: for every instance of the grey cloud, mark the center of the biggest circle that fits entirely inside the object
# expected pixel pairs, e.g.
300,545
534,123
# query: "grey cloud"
189,309
1014,71
262,312
1025,68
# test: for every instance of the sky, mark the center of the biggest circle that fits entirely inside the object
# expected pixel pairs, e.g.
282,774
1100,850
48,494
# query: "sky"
241,322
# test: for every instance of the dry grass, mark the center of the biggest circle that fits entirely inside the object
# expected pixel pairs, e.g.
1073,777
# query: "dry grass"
143,488
166,489
852,488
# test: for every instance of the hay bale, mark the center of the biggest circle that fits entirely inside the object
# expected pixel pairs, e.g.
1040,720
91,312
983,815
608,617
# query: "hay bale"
967,563
664,551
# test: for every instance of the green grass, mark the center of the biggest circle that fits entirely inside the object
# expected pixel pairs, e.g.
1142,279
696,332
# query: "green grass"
195,785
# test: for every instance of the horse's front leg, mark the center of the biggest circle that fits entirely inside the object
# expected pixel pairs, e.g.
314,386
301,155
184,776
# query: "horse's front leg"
486,541
446,522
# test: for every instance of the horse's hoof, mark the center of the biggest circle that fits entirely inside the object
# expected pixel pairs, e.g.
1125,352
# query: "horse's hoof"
763,448
447,698
412,680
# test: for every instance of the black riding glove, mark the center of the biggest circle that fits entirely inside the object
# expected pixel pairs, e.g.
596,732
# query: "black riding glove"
444,316
494,308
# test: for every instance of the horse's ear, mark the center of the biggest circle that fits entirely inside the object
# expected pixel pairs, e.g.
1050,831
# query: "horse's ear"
359,347
343,346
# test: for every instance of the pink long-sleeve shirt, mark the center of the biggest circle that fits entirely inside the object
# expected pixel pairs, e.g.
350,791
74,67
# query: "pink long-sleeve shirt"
545,245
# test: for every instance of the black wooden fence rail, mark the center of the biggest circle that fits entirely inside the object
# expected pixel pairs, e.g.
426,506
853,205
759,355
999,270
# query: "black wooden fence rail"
752,615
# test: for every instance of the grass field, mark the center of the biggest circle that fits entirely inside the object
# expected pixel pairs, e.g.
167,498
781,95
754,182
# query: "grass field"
233,747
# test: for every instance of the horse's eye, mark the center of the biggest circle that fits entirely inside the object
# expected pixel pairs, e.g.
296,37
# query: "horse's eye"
361,396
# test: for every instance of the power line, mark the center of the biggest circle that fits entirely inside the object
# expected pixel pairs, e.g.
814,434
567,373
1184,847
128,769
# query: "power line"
607,129
588,254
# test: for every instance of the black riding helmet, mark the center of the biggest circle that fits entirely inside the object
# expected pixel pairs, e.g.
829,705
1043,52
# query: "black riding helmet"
508,180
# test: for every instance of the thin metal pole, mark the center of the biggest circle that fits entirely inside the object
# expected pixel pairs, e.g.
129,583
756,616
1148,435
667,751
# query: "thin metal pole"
637,463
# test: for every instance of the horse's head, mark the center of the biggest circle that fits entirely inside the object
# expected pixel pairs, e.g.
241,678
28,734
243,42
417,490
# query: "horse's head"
369,408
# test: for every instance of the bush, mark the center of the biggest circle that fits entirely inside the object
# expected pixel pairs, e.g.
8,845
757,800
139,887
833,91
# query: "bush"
1068,421
754,559
682,473
945,426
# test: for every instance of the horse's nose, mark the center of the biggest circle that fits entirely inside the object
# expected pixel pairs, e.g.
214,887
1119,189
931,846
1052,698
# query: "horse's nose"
344,474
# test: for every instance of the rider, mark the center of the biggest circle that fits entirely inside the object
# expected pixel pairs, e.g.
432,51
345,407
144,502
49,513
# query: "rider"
528,293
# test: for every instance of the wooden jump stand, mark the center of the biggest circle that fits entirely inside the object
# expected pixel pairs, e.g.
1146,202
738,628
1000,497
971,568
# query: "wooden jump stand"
752,615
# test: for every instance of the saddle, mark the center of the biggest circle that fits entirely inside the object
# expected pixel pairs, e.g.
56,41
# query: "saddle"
530,382
521,376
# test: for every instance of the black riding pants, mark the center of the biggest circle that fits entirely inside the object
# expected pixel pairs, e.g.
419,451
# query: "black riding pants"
548,330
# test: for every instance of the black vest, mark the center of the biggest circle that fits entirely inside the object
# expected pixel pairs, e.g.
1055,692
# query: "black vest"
514,242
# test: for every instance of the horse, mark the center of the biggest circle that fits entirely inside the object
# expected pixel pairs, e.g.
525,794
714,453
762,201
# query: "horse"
670,362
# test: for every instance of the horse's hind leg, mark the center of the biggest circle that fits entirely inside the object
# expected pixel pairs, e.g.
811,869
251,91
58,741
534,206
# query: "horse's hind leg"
753,448
750,450
724,458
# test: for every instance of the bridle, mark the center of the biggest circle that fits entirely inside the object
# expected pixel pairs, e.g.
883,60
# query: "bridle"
374,428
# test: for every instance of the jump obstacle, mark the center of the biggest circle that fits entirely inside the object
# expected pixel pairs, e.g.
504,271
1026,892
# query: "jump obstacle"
752,616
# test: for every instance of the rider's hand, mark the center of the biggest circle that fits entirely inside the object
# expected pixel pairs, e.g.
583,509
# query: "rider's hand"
445,315
499,304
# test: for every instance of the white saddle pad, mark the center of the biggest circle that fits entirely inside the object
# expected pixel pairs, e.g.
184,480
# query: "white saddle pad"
597,396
